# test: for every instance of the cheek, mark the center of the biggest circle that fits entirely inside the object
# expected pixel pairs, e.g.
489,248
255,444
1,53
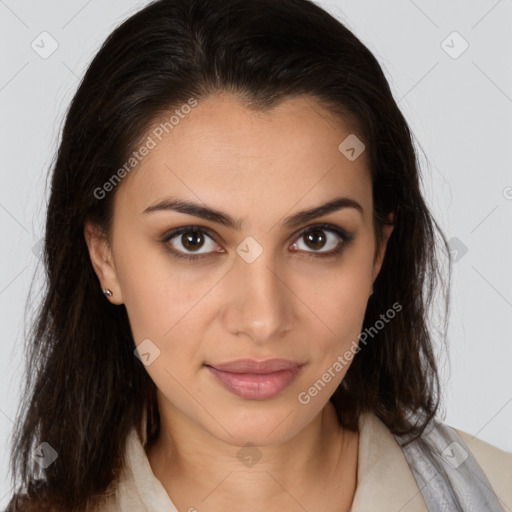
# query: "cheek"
344,315
339,297
155,293
338,306
166,306
341,313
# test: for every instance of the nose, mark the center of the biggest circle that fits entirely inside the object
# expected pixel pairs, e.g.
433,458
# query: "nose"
260,304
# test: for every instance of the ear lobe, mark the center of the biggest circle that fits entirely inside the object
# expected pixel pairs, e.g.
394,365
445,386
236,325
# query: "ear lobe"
102,261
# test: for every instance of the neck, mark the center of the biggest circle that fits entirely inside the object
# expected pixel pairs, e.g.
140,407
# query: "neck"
189,462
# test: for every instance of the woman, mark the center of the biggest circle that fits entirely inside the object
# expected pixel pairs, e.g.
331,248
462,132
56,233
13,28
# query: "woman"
240,268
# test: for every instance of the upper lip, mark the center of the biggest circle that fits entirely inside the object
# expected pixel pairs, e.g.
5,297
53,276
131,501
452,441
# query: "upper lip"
253,366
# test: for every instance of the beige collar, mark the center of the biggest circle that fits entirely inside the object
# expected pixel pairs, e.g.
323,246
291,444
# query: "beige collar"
384,479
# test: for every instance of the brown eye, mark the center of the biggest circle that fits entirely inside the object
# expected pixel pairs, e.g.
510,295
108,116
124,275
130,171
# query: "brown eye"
189,242
315,239
192,240
321,241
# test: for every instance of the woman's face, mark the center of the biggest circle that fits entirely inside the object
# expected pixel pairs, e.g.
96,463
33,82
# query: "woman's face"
266,284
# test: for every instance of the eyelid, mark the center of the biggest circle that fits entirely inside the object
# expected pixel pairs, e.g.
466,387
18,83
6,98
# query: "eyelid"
175,232
346,239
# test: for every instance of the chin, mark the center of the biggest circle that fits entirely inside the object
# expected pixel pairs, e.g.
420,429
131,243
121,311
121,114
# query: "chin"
260,426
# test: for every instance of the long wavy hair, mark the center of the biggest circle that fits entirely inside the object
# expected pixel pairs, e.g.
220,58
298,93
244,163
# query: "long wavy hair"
84,389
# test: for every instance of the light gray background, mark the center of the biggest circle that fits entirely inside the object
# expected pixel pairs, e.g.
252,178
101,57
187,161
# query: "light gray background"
460,110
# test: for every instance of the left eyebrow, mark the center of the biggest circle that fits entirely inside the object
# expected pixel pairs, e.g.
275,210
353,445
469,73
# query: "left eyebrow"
197,210
319,211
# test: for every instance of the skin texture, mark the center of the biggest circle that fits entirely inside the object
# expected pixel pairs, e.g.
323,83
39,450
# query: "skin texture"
288,303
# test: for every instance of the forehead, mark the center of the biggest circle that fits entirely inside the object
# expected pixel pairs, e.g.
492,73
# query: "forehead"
222,153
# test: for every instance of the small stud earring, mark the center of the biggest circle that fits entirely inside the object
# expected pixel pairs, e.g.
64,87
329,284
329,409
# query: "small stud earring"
107,292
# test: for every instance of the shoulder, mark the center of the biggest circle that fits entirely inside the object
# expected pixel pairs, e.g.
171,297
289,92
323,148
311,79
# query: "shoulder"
496,464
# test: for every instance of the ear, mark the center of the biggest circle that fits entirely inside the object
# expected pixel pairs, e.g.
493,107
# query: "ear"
386,232
102,261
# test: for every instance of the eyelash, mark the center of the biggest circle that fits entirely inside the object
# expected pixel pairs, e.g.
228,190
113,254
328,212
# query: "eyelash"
346,239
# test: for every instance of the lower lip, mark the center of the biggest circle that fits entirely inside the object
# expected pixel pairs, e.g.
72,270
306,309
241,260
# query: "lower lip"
256,386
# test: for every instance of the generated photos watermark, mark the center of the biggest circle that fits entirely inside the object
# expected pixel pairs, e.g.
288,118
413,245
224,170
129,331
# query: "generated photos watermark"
344,360
152,140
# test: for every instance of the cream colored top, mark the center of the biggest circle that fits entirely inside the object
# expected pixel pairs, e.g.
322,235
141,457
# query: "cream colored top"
384,479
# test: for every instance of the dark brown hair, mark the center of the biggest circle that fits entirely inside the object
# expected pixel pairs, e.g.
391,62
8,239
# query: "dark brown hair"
84,387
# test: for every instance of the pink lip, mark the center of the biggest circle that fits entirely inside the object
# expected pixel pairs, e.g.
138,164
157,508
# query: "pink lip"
256,380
